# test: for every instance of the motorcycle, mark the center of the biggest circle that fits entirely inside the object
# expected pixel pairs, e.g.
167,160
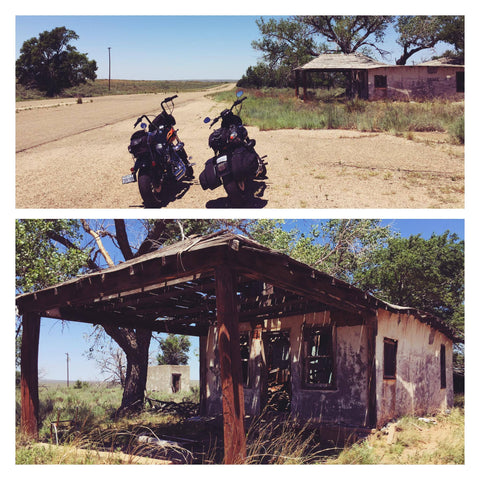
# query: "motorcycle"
236,163
159,155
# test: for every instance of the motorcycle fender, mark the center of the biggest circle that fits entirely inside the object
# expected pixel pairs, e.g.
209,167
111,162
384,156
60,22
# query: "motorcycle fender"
141,164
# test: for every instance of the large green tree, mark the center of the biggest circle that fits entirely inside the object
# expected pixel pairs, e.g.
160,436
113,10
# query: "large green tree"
422,32
287,43
50,63
427,274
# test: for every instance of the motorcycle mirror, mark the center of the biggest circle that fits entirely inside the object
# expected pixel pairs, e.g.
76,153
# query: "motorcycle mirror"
206,120
239,93
143,125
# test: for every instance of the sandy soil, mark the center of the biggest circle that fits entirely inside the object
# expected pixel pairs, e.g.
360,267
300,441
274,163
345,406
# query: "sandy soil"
71,155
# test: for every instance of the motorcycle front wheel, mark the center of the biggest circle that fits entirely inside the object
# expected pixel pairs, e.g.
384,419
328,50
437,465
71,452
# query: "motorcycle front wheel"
151,196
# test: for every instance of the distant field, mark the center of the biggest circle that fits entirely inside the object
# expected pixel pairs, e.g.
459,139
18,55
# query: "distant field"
122,87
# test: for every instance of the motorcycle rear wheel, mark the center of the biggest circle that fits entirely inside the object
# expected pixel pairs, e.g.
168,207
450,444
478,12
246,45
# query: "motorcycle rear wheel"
151,197
236,191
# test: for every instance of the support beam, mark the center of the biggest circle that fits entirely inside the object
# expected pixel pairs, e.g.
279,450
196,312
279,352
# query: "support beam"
29,375
230,366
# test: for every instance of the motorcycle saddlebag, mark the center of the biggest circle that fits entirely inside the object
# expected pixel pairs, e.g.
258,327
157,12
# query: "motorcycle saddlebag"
138,144
218,138
244,163
208,178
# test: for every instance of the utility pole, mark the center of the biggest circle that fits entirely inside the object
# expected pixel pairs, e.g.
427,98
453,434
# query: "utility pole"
68,379
109,68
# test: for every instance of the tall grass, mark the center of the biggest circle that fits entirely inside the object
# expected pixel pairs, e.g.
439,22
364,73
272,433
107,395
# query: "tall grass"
272,109
270,439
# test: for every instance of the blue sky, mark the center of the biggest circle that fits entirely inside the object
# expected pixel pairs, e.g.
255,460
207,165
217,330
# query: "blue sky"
57,338
166,47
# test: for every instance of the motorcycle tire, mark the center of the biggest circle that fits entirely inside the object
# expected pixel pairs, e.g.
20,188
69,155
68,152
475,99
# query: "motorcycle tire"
236,191
151,198
189,170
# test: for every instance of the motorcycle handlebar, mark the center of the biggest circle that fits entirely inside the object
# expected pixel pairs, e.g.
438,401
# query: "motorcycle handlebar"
169,99
237,102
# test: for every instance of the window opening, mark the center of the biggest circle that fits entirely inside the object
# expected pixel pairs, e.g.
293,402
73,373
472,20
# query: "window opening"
380,81
443,367
389,358
460,77
319,362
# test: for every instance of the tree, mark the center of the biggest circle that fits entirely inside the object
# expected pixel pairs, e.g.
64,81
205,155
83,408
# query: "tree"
50,63
421,32
40,259
289,43
341,248
419,273
349,33
174,350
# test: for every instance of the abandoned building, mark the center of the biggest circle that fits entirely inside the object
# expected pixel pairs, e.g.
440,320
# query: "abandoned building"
270,329
372,80
168,378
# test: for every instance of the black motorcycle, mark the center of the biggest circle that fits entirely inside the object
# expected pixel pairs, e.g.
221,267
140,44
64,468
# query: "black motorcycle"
236,163
160,156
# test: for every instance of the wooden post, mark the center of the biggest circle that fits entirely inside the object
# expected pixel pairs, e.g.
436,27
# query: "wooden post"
230,366
297,74
371,331
203,374
304,82
29,375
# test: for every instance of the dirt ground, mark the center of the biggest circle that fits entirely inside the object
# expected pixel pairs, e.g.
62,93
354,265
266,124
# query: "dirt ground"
71,155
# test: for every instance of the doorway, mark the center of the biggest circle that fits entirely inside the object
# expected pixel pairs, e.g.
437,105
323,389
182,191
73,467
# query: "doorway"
277,356
176,382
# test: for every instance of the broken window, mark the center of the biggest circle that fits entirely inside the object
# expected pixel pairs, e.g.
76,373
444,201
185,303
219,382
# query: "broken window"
443,368
244,357
380,81
319,362
389,358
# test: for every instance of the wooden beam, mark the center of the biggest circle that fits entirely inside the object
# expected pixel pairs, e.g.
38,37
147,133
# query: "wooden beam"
155,272
230,366
296,277
29,375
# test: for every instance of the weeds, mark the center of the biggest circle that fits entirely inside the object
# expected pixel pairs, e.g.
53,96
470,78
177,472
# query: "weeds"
99,438
272,109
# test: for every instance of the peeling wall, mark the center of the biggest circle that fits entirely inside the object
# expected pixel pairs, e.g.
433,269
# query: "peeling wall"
416,388
346,403
410,82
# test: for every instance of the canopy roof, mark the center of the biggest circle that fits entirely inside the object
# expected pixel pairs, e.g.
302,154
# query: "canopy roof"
173,289
342,61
